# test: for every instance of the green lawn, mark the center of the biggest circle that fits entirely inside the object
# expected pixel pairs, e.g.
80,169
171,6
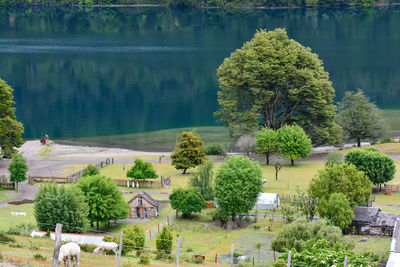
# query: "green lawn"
6,194
375,244
8,220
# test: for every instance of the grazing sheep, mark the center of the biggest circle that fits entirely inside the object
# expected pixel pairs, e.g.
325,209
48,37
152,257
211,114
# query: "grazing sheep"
68,252
106,246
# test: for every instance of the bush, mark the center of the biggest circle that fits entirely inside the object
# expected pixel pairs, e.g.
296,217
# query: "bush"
197,260
39,257
387,139
90,170
220,215
6,238
295,236
87,248
142,170
187,201
164,241
24,229
215,150
144,259
134,239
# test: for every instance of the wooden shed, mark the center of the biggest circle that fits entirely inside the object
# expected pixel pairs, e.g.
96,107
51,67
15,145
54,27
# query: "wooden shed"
372,221
143,206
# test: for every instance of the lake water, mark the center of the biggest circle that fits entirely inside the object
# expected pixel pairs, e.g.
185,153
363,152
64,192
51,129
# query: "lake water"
80,72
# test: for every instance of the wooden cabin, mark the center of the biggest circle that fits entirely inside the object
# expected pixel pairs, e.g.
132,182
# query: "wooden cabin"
372,221
143,206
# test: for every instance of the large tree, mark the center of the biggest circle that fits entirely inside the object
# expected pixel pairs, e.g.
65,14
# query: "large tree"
293,143
377,166
142,170
59,204
359,118
237,184
187,201
274,80
104,199
10,129
341,178
189,152
18,168
202,180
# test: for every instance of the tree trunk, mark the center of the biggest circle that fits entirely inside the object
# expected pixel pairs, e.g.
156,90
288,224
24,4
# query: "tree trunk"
292,161
358,142
184,171
267,156
97,224
91,224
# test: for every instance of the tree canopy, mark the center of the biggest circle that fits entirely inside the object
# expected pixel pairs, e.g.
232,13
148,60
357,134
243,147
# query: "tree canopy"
164,241
338,210
275,80
10,129
377,166
103,198
341,178
237,184
58,204
294,143
187,201
142,170
18,168
267,142
202,180
359,118
189,152
296,235
90,170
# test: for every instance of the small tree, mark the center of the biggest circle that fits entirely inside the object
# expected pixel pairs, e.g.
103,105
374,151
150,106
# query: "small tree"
294,143
359,118
90,170
164,241
18,168
202,180
278,167
237,185
142,170
186,201
189,152
338,211
246,144
104,199
134,239
267,142
377,166
341,178
58,204
307,205
333,158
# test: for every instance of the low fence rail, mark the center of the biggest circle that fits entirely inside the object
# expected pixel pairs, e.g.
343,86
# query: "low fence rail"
99,165
51,179
7,185
164,182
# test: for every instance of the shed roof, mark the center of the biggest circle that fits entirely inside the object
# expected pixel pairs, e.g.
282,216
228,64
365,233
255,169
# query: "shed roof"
365,214
267,198
147,197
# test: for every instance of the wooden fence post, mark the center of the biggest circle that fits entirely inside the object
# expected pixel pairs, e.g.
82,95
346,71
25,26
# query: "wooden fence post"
232,248
289,259
120,249
57,244
178,244
345,261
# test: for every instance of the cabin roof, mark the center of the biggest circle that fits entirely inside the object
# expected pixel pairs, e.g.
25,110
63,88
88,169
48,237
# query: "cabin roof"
365,214
146,197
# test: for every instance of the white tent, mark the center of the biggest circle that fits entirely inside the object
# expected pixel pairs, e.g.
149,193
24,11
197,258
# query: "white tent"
267,201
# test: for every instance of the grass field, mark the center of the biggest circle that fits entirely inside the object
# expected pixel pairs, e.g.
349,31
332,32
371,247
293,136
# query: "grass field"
8,220
6,194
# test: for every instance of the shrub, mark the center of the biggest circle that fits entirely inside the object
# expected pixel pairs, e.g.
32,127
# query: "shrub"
187,201
215,150
332,159
203,180
6,238
144,259
387,139
24,229
39,257
90,170
134,239
164,241
87,248
197,260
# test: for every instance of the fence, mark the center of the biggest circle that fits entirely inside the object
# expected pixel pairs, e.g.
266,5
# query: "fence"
47,179
164,182
99,165
6,185
392,188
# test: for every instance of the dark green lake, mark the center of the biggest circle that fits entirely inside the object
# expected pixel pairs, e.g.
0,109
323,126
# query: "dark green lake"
80,72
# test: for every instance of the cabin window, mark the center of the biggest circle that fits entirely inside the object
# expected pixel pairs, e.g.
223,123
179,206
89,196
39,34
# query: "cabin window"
140,201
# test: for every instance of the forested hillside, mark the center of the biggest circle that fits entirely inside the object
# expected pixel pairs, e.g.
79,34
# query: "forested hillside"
199,3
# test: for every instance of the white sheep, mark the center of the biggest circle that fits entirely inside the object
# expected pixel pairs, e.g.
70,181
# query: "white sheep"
106,246
68,252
